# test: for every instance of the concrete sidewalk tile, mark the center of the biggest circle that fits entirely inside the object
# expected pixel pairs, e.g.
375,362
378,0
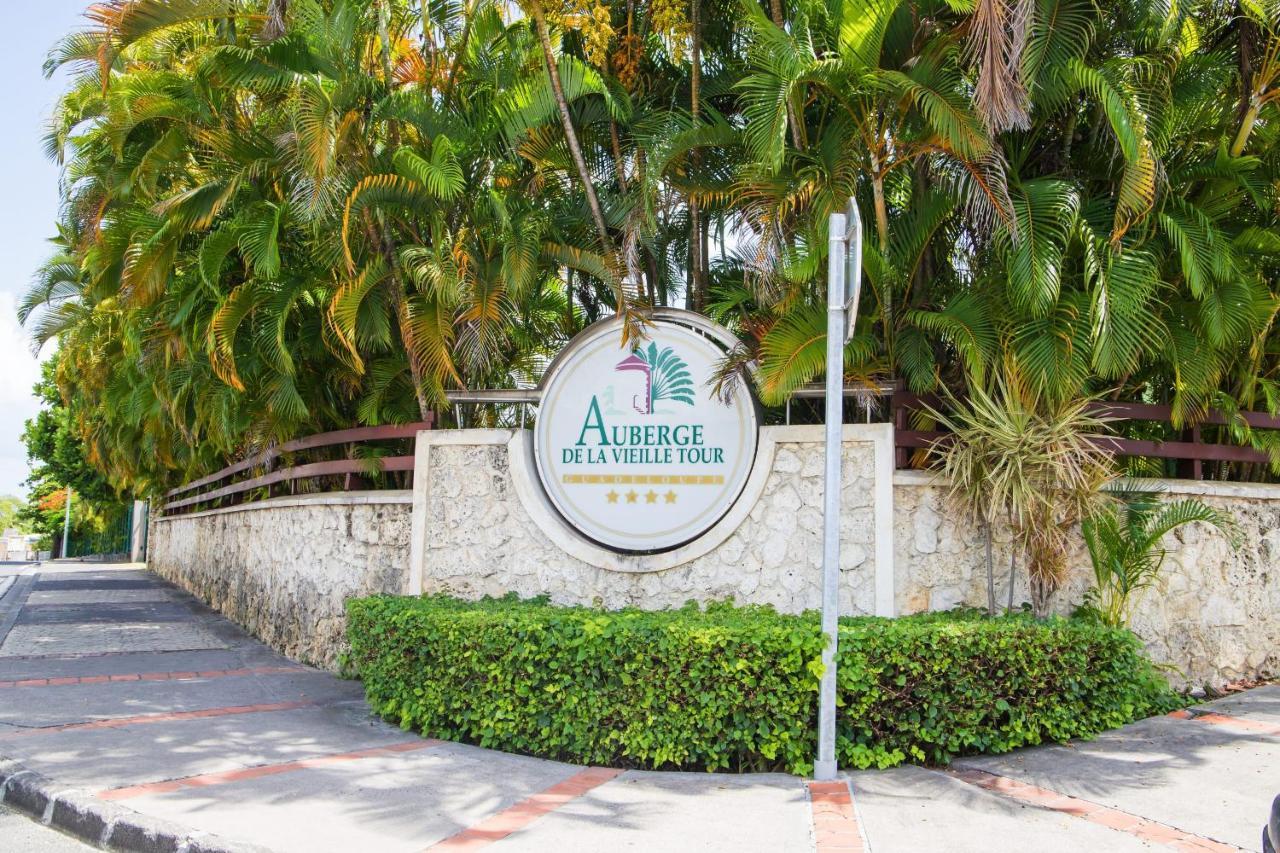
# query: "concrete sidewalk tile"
916,810
1260,703
644,811
88,701
525,812
399,801
118,663
258,771
1207,780
101,758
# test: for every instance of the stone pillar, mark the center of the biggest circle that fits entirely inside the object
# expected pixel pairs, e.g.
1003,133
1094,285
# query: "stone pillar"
138,532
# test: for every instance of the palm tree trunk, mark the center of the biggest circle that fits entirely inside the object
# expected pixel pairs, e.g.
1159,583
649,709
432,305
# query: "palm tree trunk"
428,43
775,11
991,575
882,233
697,273
461,51
1013,570
384,39
568,301
1246,126
566,121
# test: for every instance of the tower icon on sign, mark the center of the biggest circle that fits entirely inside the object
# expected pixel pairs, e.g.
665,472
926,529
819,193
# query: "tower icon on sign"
666,376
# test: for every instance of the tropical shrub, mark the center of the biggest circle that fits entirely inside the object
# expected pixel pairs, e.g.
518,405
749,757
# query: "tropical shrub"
1026,459
736,687
1123,538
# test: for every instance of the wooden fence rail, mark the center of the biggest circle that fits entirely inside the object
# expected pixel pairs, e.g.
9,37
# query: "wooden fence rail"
267,459
1191,452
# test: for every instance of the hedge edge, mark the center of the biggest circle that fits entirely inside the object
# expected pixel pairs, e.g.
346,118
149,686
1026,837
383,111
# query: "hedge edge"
523,676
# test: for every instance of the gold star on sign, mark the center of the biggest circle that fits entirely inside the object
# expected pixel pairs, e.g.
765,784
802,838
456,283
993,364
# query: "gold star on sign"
651,497
671,497
631,496
612,496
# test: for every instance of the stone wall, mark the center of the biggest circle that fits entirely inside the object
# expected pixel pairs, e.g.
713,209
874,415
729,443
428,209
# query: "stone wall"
282,568
488,529
477,523
1212,618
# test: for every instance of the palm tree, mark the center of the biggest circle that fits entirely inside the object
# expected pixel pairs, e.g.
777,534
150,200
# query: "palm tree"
1123,537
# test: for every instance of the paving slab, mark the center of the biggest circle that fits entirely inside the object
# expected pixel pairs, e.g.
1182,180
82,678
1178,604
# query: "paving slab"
1201,778
710,813
126,663
399,803
1261,704
40,595
99,638
57,705
104,758
916,810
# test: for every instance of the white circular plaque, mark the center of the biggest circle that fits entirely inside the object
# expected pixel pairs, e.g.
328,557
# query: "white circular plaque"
633,446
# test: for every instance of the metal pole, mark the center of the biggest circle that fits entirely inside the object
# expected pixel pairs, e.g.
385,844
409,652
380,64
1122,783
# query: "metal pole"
66,525
825,766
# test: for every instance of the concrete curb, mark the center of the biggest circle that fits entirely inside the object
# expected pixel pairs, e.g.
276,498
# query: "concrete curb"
100,823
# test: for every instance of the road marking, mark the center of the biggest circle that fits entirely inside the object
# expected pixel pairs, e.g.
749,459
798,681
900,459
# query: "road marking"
206,779
143,719
835,823
1122,821
498,826
151,676
1216,719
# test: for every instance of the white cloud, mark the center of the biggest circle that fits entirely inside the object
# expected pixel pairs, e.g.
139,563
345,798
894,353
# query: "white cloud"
19,371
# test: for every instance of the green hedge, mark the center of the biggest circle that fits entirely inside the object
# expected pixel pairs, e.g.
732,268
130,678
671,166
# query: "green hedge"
736,687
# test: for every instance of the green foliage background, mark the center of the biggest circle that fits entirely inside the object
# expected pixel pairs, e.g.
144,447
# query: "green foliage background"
736,688
284,217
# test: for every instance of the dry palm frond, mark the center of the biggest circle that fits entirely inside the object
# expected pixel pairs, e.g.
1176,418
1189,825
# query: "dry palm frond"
997,38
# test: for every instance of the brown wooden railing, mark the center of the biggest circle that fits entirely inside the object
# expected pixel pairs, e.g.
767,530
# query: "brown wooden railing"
1191,452
351,469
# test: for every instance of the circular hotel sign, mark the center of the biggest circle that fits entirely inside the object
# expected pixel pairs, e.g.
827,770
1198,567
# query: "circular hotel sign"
633,446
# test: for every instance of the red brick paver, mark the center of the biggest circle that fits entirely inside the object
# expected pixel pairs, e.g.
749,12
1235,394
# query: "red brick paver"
206,779
1121,821
1229,722
835,823
500,825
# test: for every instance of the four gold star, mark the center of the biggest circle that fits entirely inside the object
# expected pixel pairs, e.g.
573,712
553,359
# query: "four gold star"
650,497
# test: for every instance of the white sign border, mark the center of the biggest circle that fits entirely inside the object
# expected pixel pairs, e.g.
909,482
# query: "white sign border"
691,321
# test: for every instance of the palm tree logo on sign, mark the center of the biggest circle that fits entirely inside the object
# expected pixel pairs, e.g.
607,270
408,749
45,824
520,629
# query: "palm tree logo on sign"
666,377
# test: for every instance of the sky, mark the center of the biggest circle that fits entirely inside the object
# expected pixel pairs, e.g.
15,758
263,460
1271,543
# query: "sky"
27,219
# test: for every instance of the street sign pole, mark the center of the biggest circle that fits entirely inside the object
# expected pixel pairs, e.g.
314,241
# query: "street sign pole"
844,279
825,767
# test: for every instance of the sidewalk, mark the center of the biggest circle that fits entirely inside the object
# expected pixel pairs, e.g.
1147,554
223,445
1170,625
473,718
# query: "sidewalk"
133,716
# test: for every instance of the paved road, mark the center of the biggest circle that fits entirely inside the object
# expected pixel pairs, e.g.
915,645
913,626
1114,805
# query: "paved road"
171,719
